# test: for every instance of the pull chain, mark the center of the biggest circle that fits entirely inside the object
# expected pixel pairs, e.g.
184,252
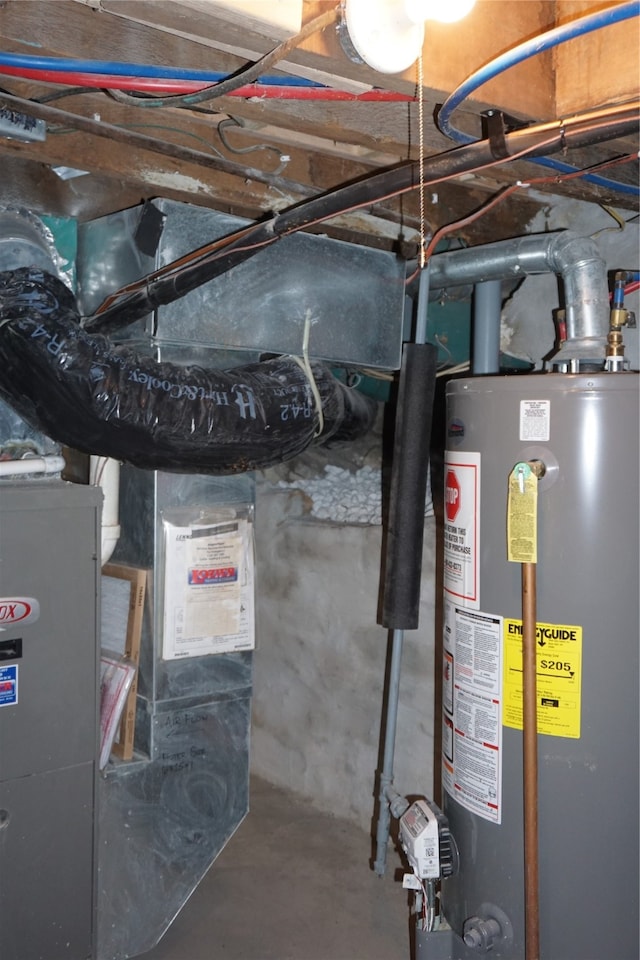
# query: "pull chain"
423,230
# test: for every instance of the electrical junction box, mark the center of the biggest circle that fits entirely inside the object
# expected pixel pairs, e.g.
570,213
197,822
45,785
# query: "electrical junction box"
427,842
15,125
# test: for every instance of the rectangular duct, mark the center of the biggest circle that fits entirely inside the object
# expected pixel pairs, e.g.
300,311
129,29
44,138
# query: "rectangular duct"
354,295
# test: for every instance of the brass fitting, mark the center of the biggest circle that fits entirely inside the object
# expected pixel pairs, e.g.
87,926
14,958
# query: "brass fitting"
619,317
538,468
615,343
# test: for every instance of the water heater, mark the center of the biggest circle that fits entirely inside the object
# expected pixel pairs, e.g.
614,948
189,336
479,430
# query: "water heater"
584,429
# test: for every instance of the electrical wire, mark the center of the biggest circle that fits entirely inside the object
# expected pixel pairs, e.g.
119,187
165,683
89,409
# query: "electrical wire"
239,124
563,167
188,86
244,76
194,136
59,94
58,130
218,248
450,371
175,280
523,51
99,128
621,222
502,195
440,343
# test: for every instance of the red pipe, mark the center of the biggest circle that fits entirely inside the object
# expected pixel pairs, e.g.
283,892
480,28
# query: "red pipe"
630,288
156,85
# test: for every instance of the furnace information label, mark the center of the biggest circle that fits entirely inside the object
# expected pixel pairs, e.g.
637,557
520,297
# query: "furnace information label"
472,714
558,677
8,685
208,588
462,528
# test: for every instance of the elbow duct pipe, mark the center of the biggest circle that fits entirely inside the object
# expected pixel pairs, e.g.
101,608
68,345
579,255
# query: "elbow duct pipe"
576,259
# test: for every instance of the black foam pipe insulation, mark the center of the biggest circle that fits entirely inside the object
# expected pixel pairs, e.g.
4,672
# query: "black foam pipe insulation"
409,473
209,262
108,400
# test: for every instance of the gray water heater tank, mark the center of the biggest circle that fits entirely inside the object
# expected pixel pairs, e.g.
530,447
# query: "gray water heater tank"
585,430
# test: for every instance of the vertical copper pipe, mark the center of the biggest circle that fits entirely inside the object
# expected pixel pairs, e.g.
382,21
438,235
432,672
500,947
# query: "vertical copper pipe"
530,761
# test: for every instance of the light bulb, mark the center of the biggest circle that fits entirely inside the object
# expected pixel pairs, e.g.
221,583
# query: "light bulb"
389,34
444,11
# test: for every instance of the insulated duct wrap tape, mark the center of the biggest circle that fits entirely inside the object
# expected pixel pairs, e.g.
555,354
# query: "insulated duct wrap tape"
94,396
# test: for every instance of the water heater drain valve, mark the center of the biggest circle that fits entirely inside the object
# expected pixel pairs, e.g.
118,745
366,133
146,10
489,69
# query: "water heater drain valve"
427,841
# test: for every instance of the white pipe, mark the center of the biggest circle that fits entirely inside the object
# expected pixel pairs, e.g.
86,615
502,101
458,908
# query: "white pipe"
46,465
105,473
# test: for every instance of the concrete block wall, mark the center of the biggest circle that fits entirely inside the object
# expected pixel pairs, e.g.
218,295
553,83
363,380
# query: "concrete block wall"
321,658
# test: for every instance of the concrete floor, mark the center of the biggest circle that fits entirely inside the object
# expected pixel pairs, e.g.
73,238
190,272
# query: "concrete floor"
292,884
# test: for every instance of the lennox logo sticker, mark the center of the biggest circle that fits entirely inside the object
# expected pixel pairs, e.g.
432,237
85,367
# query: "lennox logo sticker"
18,610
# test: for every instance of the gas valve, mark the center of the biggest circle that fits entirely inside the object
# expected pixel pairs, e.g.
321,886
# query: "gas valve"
427,841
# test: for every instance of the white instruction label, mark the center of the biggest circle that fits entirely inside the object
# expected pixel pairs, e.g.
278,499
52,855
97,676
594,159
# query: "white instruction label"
472,715
462,528
208,597
535,420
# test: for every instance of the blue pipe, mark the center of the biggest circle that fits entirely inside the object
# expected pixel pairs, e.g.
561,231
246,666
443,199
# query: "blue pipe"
561,167
618,294
120,69
530,48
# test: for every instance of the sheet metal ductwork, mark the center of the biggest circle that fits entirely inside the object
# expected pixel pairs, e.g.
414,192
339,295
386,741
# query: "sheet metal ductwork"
85,392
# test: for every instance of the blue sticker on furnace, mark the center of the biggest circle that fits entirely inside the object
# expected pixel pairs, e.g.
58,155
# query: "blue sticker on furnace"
8,685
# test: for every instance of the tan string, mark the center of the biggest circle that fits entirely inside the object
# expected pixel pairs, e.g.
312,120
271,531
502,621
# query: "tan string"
421,185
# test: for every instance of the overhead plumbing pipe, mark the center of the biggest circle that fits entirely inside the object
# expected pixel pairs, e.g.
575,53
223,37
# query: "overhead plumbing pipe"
31,465
486,327
576,259
104,472
180,277
405,534
615,13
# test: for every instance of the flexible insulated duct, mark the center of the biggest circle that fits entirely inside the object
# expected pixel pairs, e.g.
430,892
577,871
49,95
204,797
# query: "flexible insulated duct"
87,393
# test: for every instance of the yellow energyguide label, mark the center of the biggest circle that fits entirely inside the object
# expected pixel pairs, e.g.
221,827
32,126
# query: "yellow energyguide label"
558,677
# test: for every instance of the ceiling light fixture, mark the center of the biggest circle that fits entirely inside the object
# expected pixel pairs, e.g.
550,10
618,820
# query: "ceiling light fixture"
388,34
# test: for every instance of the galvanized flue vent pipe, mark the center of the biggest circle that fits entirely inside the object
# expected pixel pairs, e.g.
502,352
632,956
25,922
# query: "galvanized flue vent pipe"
576,259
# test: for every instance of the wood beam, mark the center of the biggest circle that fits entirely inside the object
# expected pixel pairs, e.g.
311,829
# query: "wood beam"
599,68
328,144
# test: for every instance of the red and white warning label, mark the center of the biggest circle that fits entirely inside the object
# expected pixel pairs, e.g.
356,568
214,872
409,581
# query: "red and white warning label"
462,528
472,711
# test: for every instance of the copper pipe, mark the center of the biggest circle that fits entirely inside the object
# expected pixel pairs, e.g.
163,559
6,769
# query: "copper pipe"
530,762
